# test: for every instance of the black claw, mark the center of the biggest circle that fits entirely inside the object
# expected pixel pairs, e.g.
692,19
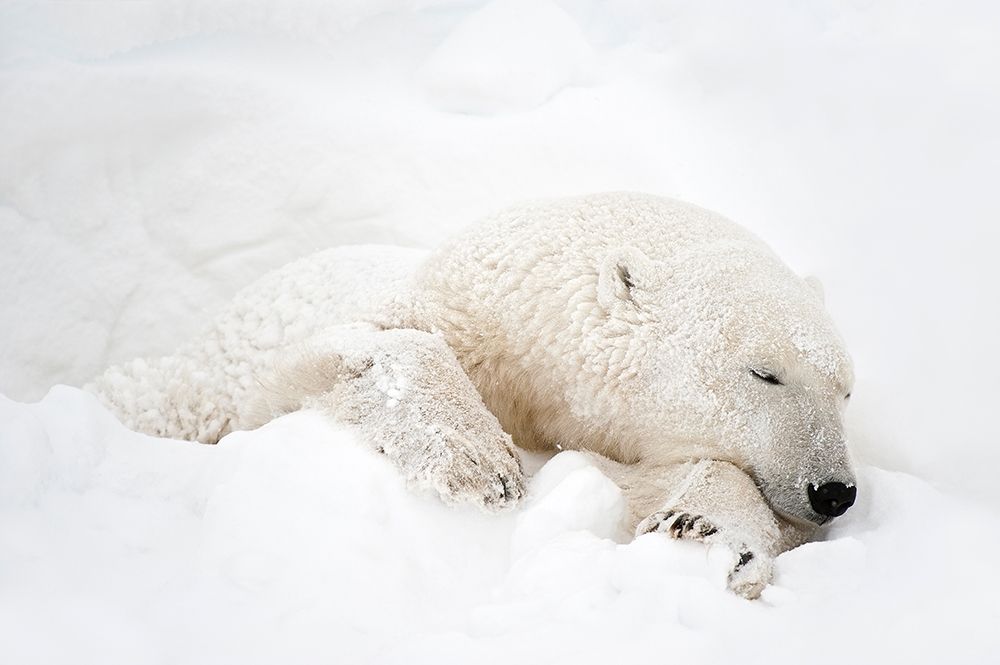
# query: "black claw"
681,524
509,487
703,527
745,558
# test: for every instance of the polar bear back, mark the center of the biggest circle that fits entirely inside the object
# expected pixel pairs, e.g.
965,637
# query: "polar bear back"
531,302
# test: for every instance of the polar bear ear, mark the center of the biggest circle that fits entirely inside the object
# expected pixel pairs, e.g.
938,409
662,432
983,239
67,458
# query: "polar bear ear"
817,287
623,273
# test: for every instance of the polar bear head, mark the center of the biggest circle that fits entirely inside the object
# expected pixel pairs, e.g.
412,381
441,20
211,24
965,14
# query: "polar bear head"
732,356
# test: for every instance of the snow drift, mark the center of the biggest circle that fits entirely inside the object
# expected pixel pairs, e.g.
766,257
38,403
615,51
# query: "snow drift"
296,543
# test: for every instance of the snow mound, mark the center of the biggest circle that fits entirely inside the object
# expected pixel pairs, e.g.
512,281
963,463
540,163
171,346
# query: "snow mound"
293,543
511,55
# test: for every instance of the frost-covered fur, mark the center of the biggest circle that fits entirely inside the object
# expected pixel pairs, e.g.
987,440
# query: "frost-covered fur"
635,327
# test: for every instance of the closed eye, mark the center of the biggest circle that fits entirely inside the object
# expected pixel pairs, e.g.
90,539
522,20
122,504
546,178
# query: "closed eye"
766,377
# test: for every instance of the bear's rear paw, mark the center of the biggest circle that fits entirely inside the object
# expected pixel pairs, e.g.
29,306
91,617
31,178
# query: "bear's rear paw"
489,476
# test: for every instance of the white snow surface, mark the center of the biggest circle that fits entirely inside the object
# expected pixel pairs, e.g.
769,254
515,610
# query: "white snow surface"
158,156
294,543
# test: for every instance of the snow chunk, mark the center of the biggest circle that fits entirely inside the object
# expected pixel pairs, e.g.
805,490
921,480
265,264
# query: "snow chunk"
569,494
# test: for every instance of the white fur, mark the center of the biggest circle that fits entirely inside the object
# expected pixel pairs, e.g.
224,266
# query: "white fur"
622,324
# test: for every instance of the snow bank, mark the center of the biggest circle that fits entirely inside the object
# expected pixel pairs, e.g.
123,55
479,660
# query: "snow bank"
294,543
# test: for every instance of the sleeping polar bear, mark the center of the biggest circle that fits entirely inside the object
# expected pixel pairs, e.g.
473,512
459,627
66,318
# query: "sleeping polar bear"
700,373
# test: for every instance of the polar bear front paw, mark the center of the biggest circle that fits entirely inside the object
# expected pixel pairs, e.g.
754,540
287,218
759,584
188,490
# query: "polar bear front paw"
678,524
489,476
751,571
750,574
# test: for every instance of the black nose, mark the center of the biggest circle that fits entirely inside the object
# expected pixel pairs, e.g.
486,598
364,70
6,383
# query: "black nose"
832,499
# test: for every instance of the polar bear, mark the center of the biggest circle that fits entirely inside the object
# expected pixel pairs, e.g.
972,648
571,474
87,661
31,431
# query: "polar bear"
698,371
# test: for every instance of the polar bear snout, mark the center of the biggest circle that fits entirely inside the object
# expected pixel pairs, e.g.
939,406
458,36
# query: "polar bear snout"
832,499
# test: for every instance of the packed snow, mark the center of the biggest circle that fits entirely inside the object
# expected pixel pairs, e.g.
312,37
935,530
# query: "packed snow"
158,156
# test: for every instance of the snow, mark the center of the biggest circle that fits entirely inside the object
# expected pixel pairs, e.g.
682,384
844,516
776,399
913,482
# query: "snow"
160,155
295,542
510,55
